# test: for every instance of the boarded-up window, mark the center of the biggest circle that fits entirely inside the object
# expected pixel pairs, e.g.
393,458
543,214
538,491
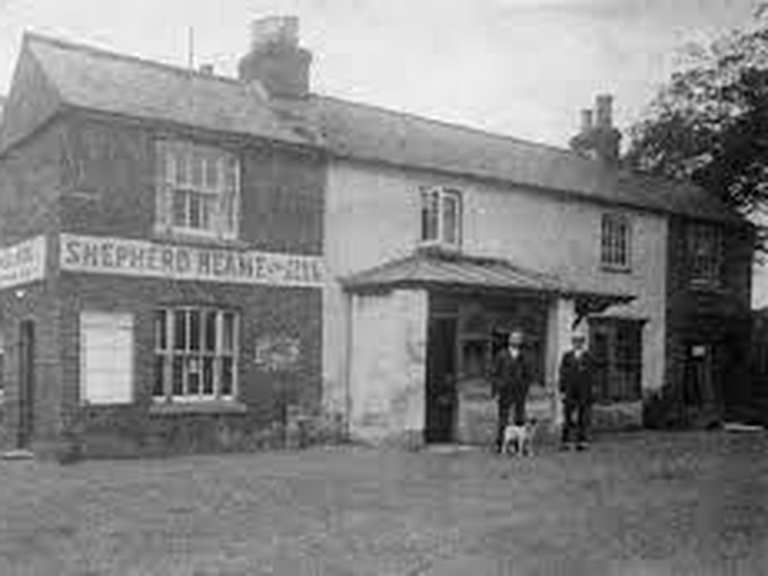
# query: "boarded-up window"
106,358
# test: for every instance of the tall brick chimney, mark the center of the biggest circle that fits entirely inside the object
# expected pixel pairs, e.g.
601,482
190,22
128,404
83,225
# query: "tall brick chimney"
275,58
598,140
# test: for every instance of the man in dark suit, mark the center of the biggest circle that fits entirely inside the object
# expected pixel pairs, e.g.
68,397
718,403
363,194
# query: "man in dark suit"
577,378
510,380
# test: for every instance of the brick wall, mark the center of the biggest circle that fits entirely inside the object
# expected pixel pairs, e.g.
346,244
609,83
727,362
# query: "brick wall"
94,175
109,184
29,188
718,317
264,312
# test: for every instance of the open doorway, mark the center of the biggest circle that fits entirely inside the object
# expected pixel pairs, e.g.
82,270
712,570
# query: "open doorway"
441,380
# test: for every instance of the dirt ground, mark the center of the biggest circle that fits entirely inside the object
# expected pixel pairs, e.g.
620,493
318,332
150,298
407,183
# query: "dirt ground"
643,503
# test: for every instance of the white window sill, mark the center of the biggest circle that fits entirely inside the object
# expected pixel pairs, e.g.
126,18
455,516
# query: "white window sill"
615,268
198,407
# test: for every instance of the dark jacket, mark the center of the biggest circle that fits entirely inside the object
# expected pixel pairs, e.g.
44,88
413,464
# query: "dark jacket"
511,377
577,377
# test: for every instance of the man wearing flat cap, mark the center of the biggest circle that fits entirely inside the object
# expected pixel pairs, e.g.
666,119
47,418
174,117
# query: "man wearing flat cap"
510,380
577,378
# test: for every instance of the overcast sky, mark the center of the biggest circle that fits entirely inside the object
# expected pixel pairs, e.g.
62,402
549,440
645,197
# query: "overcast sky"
522,67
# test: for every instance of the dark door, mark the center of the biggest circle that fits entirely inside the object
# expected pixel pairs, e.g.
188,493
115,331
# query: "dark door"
26,383
441,381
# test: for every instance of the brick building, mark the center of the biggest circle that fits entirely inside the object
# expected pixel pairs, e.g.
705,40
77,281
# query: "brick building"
186,255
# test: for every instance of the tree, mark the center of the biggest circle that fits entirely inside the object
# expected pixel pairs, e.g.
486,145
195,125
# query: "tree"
709,123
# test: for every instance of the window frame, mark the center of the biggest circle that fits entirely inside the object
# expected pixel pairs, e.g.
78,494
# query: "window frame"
123,320
166,353
615,367
694,233
220,193
442,194
613,243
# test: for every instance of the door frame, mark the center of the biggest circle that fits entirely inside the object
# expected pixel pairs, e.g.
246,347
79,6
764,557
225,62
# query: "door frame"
26,378
431,435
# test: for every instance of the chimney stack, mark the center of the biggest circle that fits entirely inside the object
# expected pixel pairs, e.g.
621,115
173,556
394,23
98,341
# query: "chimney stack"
275,59
586,120
603,105
598,139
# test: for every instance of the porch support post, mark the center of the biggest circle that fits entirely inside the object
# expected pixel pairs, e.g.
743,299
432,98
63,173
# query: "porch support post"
560,317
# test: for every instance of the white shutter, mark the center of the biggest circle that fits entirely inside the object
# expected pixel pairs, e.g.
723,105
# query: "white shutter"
106,352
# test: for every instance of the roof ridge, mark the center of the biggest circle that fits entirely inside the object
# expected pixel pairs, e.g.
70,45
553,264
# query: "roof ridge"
107,53
455,126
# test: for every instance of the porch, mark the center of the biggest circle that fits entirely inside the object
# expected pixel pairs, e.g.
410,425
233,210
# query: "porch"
424,330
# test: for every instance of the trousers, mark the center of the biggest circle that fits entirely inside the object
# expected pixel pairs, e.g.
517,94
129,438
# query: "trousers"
580,427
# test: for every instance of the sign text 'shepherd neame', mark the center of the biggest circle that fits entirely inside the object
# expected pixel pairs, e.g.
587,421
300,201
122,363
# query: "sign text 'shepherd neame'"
142,258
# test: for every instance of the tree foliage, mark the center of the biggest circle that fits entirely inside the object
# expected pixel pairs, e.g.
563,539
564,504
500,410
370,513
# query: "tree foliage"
709,122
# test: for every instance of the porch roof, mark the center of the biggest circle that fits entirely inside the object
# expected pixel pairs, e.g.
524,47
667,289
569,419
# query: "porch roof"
441,269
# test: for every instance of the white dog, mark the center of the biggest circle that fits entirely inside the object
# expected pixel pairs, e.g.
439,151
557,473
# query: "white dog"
518,439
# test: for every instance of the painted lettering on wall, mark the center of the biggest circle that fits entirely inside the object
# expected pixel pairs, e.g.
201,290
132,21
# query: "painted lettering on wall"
277,353
102,255
23,262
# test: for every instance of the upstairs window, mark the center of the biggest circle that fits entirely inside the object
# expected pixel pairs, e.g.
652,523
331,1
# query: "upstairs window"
615,242
198,190
705,253
441,217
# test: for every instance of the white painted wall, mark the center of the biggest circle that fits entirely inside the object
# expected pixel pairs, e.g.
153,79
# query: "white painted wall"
372,215
387,393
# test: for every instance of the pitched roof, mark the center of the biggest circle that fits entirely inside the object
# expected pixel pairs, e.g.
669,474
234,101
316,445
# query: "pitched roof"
96,79
431,268
376,134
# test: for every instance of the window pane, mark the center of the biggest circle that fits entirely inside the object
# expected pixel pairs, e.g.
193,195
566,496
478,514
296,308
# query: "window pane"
195,218
180,160
210,331
161,333
158,386
180,330
207,208
194,330
227,376
179,208
429,215
197,170
212,172
193,375
231,174
450,219
178,376
228,332
208,364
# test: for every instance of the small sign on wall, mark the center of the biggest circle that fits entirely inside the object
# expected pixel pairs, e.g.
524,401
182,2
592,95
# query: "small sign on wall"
277,353
23,262
698,351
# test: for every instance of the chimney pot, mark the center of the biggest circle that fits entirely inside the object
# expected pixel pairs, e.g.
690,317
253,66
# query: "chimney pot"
586,120
280,30
275,59
603,104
